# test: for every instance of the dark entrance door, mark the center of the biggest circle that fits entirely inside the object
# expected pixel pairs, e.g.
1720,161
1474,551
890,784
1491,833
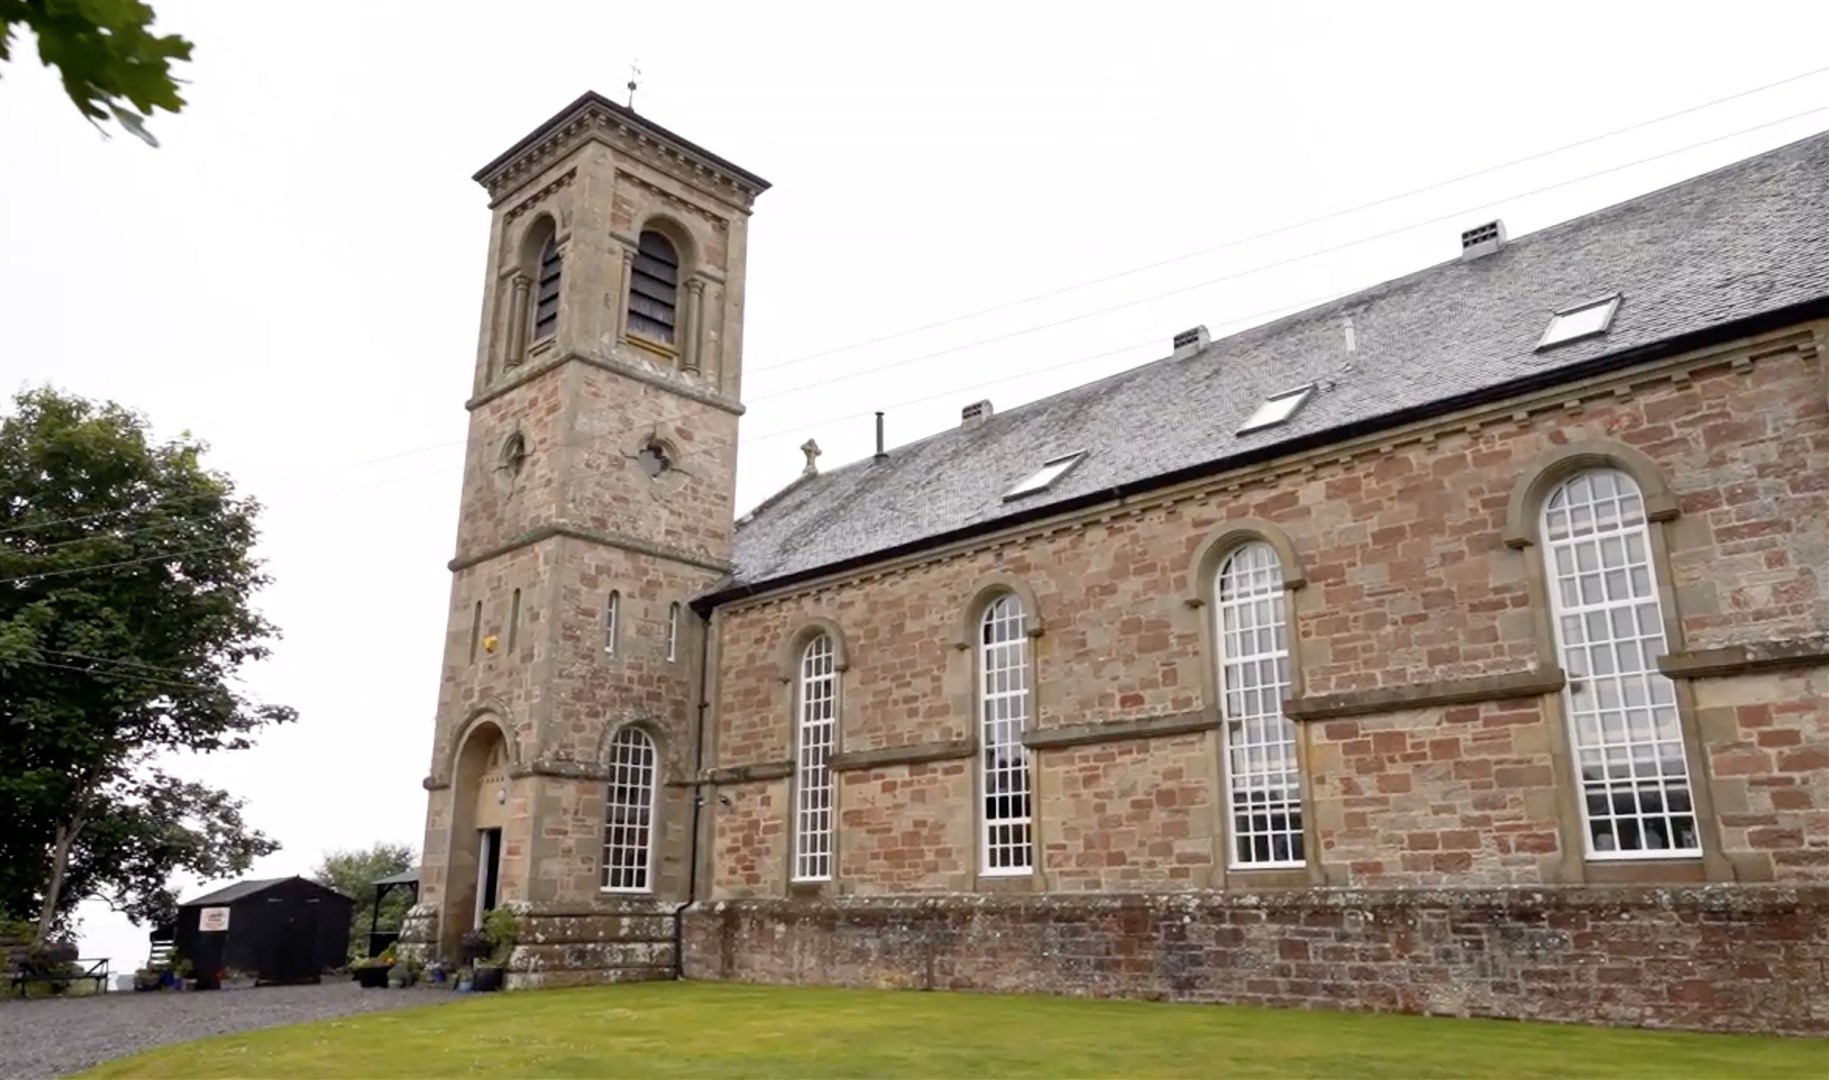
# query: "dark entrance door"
490,872
210,959
293,948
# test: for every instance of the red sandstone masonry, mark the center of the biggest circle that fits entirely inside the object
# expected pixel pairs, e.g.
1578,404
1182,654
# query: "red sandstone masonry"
1457,796
1720,959
1408,582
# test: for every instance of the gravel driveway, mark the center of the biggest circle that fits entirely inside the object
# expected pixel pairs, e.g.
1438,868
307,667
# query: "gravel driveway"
51,1037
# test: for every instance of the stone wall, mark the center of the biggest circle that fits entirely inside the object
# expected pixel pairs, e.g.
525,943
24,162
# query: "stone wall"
567,945
1715,958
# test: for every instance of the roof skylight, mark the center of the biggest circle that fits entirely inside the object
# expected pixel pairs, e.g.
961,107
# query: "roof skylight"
1575,323
1278,409
1044,477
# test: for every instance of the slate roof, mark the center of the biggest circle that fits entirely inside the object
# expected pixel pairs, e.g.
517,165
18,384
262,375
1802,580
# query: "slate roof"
230,893
241,890
1744,241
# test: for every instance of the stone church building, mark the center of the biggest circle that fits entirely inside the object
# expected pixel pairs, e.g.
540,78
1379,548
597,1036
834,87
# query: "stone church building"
1460,645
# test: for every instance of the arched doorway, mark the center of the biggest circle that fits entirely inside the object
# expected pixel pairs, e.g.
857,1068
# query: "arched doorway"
479,813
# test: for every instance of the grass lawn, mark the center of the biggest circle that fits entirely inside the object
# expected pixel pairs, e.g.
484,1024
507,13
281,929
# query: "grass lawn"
719,1029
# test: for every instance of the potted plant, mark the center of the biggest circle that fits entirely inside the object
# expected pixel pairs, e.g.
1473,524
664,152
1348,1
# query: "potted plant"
474,946
503,931
236,979
465,979
372,973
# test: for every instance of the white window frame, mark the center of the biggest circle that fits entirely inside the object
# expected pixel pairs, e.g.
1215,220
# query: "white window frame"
1047,476
1607,306
673,632
1257,742
634,765
1003,712
815,736
612,621
1603,582
1277,409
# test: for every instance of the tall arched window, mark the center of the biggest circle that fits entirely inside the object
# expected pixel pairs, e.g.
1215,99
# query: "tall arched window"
514,622
1003,707
612,621
814,739
654,288
1622,712
673,631
476,629
628,815
546,291
1263,773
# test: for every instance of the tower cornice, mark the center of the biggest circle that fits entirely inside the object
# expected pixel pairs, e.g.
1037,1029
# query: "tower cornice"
595,117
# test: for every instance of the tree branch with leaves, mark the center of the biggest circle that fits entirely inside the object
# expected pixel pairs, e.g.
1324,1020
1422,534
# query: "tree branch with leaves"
111,62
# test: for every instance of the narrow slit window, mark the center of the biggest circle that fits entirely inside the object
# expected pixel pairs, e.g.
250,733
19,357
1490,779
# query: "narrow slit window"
546,292
1263,778
1003,705
628,816
813,789
1576,323
654,288
1277,410
1043,478
514,621
673,632
1624,729
612,619
476,629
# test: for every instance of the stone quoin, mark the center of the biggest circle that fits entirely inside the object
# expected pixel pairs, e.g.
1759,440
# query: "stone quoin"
1460,645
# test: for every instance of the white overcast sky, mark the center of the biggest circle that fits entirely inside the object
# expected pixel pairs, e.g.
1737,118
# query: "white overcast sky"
295,275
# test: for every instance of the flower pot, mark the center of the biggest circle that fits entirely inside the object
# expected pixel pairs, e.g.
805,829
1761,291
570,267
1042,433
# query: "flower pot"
372,978
487,979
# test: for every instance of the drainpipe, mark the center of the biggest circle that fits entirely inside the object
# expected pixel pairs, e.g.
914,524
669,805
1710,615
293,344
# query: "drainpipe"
698,802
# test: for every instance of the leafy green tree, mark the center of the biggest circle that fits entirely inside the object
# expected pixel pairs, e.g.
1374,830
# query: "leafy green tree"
106,53
126,587
354,873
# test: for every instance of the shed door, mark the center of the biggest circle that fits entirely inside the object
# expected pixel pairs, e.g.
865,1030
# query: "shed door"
294,947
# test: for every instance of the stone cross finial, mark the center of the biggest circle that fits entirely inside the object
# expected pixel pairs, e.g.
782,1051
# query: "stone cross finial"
811,450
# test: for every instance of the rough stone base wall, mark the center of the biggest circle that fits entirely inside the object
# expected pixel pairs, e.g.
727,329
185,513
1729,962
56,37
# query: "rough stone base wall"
1724,958
561,947
566,948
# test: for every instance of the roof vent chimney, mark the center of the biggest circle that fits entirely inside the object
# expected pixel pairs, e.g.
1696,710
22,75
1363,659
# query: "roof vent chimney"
880,452
974,414
1482,240
1189,342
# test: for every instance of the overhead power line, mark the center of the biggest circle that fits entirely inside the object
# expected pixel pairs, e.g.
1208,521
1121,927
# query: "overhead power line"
166,557
184,500
1029,372
106,674
1281,229
1291,260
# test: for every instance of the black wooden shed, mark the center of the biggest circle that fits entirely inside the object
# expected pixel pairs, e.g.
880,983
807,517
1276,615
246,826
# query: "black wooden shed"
284,930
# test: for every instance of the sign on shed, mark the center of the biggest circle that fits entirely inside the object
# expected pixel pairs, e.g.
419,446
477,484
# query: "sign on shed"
213,919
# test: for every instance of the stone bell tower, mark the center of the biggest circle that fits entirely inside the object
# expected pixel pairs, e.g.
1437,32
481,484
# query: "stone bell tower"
597,501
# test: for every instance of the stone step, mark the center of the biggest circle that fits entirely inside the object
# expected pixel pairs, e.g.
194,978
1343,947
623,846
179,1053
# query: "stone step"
591,955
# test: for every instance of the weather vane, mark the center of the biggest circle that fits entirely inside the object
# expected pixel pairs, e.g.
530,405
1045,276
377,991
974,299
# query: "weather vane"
634,79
